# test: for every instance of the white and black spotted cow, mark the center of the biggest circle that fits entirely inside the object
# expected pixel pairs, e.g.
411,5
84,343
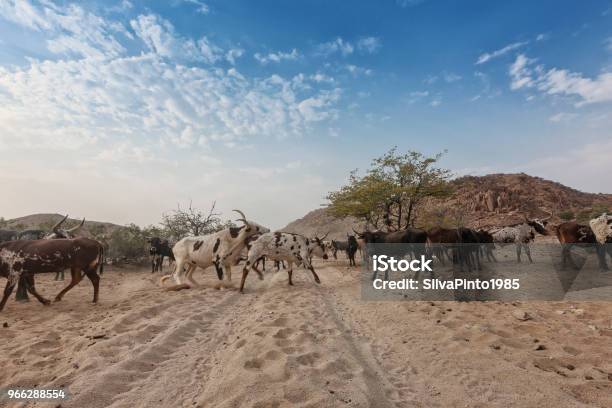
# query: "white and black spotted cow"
521,235
220,249
284,246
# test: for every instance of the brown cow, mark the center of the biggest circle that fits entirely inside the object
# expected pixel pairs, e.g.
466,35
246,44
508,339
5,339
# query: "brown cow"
27,258
570,234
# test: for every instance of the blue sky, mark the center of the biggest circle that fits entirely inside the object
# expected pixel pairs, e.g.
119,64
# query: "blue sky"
119,110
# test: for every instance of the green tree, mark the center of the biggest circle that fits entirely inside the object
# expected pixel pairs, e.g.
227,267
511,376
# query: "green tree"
391,191
567,215
128,241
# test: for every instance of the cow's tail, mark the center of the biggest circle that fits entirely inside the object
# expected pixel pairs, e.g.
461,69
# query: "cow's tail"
101,261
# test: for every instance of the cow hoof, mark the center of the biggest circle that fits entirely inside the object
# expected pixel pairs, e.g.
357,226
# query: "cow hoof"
318,280
23,300
57,299
46,302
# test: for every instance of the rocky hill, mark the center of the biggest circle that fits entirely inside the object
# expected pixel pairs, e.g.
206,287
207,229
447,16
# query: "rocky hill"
484,201
47,221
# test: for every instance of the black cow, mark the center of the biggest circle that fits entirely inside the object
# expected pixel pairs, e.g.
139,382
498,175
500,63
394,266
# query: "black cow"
486,244
415,236
31,234
160,248
7,235
351,249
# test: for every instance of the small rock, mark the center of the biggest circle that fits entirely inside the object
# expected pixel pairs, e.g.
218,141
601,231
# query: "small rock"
332,391
521,315
540,347
560,312
5,325
570,367
592,327
578,312
75,366
588,377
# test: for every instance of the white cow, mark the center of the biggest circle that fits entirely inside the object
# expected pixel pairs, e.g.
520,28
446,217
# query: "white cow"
602,228
220,249
284,246
521,235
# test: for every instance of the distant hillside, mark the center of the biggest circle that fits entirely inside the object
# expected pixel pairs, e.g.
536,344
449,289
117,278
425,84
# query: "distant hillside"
491,200
318,222
47,221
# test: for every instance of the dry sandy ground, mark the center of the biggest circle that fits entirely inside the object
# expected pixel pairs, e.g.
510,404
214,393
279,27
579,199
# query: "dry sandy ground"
308,345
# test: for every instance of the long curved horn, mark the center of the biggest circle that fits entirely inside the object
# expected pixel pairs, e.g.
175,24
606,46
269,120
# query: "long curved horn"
243,219
59,223
325,236
77,227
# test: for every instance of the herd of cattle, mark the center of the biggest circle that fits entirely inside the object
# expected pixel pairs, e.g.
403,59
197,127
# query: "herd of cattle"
25,254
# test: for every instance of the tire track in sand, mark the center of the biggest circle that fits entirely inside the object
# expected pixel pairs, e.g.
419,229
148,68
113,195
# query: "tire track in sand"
155,373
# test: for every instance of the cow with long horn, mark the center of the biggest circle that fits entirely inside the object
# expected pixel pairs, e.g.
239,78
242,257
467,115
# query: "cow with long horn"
64,233
57,233
284,246
220,249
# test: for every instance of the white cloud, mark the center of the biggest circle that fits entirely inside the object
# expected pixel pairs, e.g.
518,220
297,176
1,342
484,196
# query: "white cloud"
201,7
560,82
121,7
336,46
562,117
416,96
498,53
160,37
451,77
69,103
608,44
277,56
233,54
431,79
69,30
521,73
357,71
369,45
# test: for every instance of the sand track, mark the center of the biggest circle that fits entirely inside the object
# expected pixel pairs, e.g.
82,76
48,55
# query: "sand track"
308,345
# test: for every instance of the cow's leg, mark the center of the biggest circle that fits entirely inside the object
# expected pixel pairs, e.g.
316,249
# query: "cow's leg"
528,252
490,252
76,276
258,272
314,274
29,284
22,294
7,293
178,271
153,264
601,255
290,274
95,281
228,271
189,274
245,272
518,253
